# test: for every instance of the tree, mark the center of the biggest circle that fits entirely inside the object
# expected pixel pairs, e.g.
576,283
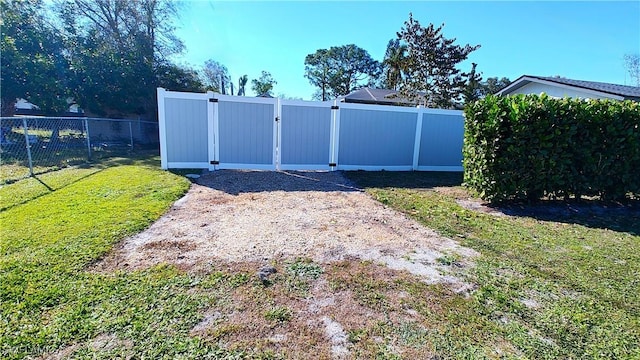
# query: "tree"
318,70
33,65
178,78
264,84
242,83
340,70
432,77
492,85
632,64
473,89
216,76
118,51
394,64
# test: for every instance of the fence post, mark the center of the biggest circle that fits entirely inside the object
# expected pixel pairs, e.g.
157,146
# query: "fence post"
212,131
278,134
162,128
86,127
131,135
26,141
416,144
334,136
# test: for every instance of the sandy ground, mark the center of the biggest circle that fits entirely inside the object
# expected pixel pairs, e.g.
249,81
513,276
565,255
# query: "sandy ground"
238,216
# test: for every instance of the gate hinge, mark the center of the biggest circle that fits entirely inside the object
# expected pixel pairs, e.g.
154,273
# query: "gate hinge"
333,164
214,162
334,107
213,100
277,119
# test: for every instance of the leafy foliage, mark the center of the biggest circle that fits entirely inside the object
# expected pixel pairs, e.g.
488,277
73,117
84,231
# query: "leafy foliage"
107,56
492,85
216,76
242,83
33,65
432,77
118,52
632,64
394,64
340,70
263,85
473,89
529,147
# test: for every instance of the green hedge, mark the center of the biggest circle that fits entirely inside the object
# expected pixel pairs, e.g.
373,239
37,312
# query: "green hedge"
531,147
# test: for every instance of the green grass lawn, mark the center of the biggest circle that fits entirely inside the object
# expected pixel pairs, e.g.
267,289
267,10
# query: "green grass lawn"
580,278
545,289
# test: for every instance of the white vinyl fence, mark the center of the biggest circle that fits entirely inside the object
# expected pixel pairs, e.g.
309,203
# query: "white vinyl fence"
213,131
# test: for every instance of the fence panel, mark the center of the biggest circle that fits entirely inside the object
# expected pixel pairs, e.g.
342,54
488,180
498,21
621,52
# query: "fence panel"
186,133
232,132
305,135
35,145
376,139
441,141
246,133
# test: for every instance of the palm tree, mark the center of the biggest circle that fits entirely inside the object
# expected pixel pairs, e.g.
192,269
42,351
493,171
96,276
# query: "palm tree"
242,82
395,63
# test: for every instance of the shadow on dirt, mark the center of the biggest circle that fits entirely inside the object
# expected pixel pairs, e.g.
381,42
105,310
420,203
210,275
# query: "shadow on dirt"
235,182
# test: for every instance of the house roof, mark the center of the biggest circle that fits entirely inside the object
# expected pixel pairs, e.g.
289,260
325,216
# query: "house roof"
376,96
624,91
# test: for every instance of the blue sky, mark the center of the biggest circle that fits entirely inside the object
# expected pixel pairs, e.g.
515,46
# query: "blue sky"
579,40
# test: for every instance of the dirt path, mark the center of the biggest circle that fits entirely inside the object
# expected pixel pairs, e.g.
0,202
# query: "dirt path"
239,216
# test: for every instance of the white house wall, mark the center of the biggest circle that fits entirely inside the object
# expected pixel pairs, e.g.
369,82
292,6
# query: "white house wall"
554,91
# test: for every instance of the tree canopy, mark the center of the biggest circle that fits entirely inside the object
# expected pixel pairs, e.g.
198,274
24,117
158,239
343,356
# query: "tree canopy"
632,65
432,77
242,83
264,84
340,69
394,64
108,56
492,85
216,76
33,65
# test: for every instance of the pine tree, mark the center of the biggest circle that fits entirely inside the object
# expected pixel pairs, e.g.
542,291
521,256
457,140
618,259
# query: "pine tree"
432,77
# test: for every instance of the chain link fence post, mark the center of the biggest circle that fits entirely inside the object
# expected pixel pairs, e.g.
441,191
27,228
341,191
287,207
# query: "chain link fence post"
28,145
131,135
86,128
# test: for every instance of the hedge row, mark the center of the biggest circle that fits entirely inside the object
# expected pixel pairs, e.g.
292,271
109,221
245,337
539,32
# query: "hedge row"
531,147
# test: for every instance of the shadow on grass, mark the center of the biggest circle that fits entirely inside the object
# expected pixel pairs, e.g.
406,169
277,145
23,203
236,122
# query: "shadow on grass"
150,160
622,217
421,180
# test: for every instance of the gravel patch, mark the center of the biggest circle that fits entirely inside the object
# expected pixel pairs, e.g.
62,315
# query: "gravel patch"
238,216
337,338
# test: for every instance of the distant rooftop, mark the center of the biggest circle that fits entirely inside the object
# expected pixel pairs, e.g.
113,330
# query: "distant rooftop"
625,91
376,96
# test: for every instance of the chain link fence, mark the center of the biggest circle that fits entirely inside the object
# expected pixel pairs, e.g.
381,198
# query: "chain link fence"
35,145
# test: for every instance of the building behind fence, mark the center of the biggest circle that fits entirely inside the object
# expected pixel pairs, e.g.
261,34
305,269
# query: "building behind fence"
34,145
207,130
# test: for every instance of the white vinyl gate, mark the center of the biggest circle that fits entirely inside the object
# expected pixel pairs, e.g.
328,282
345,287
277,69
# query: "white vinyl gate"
216,131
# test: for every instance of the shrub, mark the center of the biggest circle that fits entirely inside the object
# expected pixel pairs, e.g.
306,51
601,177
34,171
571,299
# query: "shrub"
529,147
